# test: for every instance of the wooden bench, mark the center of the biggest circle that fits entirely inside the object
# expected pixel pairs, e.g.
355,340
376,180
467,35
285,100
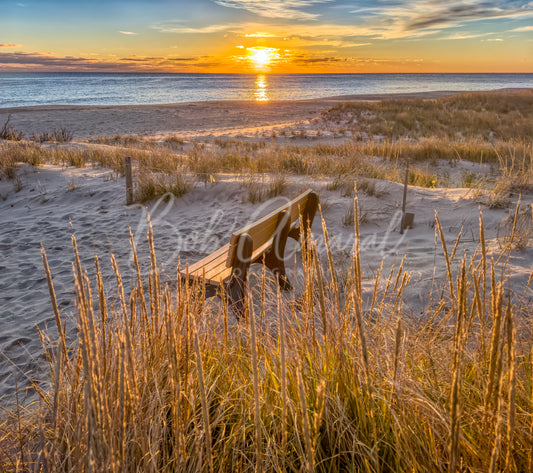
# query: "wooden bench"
225,271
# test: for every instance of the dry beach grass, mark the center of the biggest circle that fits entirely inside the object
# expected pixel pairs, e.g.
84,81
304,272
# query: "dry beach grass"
156,383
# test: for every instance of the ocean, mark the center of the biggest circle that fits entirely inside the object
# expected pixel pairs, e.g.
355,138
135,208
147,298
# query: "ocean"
27,89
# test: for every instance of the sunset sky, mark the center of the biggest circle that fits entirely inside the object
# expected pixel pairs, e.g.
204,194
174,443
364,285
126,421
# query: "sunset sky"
277,36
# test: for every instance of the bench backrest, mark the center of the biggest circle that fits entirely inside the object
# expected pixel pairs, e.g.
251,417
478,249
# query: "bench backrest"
263,230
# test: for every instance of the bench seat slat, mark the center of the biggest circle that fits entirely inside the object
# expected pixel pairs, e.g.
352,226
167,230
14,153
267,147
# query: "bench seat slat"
215,269
218,277
209,260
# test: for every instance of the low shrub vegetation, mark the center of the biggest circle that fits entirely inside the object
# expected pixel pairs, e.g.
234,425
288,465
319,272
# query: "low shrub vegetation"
9,133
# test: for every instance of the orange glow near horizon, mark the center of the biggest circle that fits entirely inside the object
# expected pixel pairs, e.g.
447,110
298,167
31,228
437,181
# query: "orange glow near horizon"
282,37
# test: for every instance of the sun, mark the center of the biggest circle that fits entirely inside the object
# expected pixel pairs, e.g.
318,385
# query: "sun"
262,57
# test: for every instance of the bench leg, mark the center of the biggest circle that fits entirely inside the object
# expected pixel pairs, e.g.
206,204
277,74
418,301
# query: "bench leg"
308,215
274,259
235,287
211,290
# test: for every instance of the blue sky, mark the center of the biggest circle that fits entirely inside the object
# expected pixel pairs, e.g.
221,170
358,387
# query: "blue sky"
292,35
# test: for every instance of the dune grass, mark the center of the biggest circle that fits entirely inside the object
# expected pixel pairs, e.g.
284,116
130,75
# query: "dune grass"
491,115
320,379
7,132
265,170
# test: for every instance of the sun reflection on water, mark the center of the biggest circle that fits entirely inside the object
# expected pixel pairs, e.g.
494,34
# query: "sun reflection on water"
261,89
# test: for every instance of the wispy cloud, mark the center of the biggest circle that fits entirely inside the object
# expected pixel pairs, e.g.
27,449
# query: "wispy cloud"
357,62
10,45
288,9
158,59
461,36
41,59
50,62
523,29
353,45
405,19
327,41
260,35
465,11
181,28
128,33
317,60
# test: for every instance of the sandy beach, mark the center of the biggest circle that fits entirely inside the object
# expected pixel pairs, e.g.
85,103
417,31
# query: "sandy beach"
189,120
56,202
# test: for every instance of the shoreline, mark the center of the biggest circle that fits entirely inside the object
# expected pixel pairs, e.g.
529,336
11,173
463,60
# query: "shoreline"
432,94
384,96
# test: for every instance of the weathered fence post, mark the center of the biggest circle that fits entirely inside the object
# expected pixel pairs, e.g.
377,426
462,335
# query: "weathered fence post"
129,180
405,184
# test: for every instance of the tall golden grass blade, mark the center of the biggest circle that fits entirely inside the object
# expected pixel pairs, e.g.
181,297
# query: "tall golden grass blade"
511,361
309,453
255,373
203,399
54,305
283,371
331,263
446,256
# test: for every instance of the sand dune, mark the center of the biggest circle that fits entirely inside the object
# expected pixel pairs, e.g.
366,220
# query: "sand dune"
56,202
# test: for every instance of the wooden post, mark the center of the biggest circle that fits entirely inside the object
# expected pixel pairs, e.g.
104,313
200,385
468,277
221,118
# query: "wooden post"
129,180
405,184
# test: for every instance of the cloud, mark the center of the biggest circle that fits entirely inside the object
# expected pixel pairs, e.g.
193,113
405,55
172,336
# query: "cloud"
128,33
460,36
328,41
353,45
353,62
381,20
179,28
260,35
523,29
49,62
41,59
411,19
288,9
10,45
274,30
318,60
464,11
155,59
